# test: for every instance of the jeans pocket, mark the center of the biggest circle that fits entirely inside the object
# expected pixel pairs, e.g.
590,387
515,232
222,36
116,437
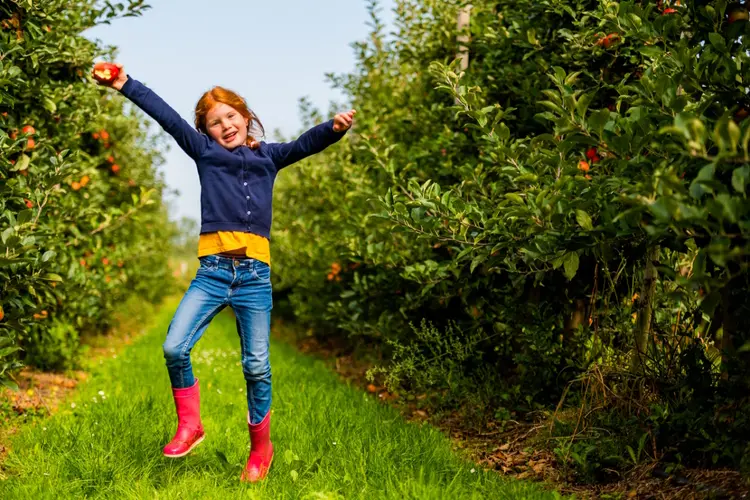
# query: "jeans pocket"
262,271
206,264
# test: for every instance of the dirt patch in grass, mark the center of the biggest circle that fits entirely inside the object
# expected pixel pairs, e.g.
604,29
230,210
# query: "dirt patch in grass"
40,393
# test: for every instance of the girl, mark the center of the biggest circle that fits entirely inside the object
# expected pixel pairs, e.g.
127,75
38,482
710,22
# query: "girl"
236,173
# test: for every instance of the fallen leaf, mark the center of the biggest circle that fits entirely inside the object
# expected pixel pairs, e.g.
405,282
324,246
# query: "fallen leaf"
539,468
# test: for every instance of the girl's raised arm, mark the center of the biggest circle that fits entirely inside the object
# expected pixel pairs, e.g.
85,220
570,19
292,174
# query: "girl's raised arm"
190,140
311,142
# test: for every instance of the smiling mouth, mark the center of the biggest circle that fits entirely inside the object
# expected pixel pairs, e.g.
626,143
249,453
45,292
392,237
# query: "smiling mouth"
230,137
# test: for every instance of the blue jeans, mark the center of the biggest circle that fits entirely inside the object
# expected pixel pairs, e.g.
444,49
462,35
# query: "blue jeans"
245,286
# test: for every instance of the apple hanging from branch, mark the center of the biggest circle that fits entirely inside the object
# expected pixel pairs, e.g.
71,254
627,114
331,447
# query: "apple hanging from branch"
737,12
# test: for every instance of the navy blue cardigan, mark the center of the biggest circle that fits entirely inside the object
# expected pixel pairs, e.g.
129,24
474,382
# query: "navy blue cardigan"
236,185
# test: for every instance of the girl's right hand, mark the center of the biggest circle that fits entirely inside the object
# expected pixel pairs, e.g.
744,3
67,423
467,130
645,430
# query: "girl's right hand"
118,82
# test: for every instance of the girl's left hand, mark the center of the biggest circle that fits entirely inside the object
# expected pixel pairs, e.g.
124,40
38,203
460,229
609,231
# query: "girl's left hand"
343,121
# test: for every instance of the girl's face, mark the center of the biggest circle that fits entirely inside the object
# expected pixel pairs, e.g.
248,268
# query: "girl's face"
226,126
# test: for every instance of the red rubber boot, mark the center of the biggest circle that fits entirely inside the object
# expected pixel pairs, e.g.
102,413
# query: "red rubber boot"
189,428
261,450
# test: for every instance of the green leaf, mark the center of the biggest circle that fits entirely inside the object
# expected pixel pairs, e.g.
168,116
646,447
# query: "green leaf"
740,178
598,120
514,198
637,22
49,104
554,107
4,352
558,262
290,456
727,135
9,384
6,234
51,277
48,255
697,189
651,51
24,216
570,264
475,262
531,36
584,220
22,163
583,103
572,78
559,75
730,205
717,41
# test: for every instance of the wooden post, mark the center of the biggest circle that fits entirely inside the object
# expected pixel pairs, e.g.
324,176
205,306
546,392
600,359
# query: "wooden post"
464,18
642,331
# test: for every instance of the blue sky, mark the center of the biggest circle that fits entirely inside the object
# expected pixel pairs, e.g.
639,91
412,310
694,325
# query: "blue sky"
270,52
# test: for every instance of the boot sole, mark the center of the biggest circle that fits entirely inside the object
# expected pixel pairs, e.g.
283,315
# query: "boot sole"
268,469
192,447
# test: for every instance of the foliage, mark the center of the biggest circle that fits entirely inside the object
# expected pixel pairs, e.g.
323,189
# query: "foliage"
51,347
82,223
529,200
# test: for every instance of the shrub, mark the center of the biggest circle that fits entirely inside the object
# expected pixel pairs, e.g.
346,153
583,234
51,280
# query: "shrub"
575,198
54,347
82,222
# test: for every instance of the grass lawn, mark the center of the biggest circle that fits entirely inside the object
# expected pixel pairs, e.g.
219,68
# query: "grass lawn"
331,440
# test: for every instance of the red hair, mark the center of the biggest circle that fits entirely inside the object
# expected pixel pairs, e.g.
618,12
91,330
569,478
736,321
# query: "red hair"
225,96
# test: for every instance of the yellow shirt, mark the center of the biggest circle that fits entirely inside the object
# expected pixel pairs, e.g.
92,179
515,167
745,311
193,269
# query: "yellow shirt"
235,242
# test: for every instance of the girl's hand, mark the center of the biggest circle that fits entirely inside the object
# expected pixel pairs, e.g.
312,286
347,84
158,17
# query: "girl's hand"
343,121
118,82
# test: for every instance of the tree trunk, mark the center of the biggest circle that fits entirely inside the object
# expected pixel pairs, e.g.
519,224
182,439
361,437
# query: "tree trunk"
729,328
645,310
576,318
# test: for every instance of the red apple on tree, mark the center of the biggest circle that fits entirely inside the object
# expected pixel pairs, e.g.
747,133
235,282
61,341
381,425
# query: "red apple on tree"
736,13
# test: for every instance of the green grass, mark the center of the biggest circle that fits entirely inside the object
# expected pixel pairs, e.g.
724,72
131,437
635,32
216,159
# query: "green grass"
331,440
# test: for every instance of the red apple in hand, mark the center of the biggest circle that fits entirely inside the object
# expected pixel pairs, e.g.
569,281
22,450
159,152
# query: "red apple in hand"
106,72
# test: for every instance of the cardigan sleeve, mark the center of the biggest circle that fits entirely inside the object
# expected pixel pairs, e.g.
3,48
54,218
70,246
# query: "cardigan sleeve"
311,142
190,140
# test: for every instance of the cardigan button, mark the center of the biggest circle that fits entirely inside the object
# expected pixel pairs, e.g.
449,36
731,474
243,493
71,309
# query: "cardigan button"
248,212
245,183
